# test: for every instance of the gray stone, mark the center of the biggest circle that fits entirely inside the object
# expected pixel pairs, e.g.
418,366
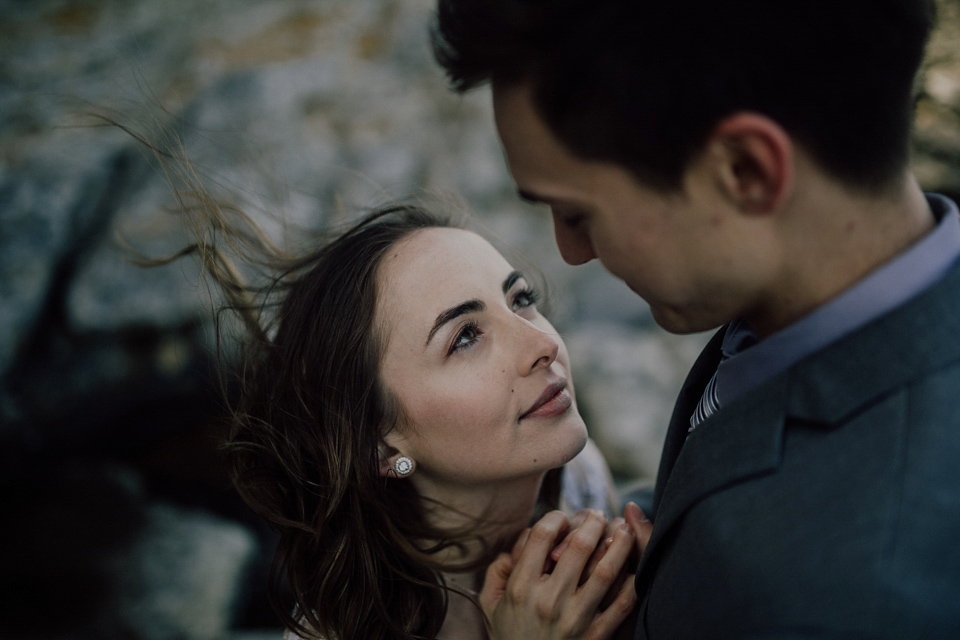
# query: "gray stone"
626,382
305,114
182,577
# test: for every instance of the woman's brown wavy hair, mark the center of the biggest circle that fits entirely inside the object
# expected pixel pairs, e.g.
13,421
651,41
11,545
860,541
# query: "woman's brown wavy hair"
304,449
356,550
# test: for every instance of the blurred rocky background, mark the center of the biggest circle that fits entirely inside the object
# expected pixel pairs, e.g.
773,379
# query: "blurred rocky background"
117,518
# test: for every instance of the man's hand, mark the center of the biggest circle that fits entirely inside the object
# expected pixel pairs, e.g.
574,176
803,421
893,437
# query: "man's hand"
524,600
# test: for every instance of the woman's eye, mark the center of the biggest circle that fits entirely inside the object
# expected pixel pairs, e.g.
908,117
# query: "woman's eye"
524,298
467,336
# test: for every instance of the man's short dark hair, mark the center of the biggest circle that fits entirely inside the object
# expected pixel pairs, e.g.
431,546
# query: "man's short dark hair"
643,82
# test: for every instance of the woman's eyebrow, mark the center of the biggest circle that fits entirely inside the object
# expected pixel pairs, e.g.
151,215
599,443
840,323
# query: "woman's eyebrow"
470,306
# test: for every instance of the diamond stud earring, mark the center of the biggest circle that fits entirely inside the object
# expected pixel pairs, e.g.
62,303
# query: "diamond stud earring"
403,466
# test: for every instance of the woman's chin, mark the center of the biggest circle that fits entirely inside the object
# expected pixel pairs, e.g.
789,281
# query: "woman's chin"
574,436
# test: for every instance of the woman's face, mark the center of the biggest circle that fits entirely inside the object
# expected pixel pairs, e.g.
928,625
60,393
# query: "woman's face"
482,377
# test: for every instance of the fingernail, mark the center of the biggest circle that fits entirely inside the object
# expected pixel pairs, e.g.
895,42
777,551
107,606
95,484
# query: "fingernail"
608,542
555,554
638,513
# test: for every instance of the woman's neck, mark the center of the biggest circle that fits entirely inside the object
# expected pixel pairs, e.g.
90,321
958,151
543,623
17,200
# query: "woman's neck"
464,619
495,513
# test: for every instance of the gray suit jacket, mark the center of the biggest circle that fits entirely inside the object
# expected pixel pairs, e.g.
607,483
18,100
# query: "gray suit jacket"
823,503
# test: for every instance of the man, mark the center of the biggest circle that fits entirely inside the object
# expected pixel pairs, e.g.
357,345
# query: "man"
744,164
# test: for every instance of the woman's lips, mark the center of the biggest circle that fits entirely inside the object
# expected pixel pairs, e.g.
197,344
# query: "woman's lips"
554,400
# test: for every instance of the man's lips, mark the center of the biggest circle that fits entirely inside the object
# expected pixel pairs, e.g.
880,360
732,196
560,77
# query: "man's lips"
554,400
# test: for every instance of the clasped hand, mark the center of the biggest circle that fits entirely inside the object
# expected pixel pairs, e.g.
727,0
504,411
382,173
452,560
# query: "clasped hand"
566,578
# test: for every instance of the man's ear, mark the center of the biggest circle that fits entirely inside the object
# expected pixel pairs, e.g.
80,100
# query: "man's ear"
754,161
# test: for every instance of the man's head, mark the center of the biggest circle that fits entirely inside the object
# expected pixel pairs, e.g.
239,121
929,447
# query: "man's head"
642,83
664,134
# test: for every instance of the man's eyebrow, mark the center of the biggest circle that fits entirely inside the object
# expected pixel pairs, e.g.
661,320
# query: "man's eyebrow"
551,201
511,280
530,196
470,306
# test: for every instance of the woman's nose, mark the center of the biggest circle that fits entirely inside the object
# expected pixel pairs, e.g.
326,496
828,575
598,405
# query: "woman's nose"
537,349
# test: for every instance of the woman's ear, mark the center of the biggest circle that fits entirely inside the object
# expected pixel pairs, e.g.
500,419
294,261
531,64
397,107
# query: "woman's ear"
393,463
754,162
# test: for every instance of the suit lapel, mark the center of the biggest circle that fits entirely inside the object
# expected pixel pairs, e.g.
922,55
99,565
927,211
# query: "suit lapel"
888,353
690,393
744,439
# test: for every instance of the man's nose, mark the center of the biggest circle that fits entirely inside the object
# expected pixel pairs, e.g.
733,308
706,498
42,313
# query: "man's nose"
574,243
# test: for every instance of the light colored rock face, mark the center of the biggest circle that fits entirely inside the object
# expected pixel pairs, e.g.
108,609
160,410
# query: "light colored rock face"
936,155
628,389
313,112
306,113
182,577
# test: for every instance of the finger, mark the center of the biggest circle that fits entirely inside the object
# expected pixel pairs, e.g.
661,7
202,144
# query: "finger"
519,544
594,560
540,541
641,526
580,546
575,522
495,583
611,528
558,550
612,592
608,570
580,517
518,548
606,623
601,548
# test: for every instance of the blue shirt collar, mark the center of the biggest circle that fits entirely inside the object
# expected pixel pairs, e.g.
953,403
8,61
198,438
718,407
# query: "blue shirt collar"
749,361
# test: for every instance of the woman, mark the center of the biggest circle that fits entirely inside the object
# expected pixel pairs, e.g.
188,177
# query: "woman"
399,419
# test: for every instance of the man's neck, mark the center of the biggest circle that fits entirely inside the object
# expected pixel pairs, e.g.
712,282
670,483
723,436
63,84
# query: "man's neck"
832,238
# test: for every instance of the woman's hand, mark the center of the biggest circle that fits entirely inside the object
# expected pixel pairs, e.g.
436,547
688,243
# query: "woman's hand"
633,516
527,597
